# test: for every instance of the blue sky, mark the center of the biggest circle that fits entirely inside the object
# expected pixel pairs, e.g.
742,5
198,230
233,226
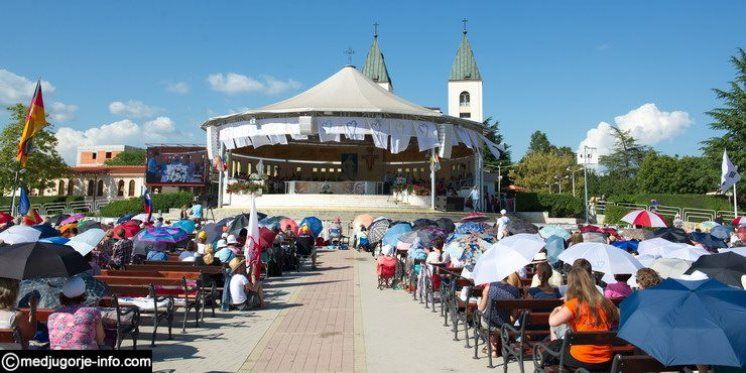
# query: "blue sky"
559,67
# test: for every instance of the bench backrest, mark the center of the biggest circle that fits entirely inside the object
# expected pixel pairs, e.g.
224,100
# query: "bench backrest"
594,338
527,304
115,280
161,274
639,363
181,268
128,290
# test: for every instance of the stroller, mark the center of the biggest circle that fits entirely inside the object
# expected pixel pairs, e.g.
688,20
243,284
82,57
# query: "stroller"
386,270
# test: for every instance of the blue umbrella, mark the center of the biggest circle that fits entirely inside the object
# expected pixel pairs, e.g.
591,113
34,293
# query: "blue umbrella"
46,230
313,223
59,240
687,322
630,245
125,218
555,246
187,225
554,230
707,240
722,232
470,227
392,235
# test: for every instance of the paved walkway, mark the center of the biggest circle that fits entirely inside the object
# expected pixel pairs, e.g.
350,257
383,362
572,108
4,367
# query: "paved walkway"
331,320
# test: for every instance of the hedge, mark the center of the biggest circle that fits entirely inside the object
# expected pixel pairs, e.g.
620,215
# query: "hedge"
613,214
697,201
161,202
558,205
43,199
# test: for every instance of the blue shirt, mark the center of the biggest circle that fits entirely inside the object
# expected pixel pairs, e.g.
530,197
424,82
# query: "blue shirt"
197,210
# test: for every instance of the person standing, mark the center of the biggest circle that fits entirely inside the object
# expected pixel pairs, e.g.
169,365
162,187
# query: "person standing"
502,224
474,195
196,211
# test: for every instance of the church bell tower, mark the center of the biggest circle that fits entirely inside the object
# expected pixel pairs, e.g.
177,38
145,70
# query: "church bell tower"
465,84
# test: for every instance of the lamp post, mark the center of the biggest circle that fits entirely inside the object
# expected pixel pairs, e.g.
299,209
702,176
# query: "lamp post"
572,172
585,179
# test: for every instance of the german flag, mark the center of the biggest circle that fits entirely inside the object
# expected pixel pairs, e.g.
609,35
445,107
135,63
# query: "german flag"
35,121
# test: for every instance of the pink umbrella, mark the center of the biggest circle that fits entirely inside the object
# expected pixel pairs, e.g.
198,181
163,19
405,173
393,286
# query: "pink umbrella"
72,219
645,218
364,220
287,221
739,220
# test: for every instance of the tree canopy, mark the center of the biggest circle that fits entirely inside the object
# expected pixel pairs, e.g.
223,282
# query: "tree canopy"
542,171
44,163
625,156
539,143
128,158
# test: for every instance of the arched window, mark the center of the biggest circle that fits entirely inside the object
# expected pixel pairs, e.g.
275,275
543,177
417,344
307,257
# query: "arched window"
132,188
120,188
70,187
100,188
464,99
61,188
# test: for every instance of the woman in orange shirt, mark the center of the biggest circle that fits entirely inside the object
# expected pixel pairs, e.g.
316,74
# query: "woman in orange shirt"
585,310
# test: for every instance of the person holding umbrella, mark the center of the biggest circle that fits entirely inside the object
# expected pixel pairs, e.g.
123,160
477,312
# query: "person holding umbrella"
585,310
11,318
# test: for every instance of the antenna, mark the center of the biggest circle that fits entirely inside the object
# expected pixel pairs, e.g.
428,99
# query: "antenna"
349,52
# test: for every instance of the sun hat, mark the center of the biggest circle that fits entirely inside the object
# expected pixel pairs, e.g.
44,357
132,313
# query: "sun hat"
539,257
202,235
503,212
221,244
231,240
225,255
74,287
224,235
235,263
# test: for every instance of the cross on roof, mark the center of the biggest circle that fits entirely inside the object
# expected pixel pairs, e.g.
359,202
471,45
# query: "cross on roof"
349,52
375,30
464,21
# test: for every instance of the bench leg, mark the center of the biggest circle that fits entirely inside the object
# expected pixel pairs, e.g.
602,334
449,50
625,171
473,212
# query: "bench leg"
155,330
170,319
466,330
135,335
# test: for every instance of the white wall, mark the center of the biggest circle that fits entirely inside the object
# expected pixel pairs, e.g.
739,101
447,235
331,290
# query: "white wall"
475,91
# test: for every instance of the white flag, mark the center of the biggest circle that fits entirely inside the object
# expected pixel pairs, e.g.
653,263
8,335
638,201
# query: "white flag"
730,174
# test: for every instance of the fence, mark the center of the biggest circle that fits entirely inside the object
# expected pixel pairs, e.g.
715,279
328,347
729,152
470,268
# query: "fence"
65,207
687,214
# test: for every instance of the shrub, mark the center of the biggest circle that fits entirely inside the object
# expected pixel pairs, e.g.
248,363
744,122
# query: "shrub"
678,200
558,205
161,202
613,214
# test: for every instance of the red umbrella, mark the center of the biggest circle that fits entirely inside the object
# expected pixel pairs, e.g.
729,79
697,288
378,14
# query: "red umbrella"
645,218
130,229
737,221
591,228
287,221
266,237
5,217
474,216
611,232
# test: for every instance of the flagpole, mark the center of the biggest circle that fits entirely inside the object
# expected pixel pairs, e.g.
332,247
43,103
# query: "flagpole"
13,193
735,202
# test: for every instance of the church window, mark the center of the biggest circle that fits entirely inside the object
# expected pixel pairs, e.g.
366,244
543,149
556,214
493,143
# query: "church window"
464,99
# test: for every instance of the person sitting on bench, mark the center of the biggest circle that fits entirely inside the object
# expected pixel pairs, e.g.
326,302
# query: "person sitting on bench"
305,244
243,293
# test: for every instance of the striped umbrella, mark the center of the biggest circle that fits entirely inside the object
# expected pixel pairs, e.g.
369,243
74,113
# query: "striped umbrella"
377,230
645,218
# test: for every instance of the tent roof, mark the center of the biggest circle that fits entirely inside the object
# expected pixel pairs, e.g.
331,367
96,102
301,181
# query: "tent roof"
347,91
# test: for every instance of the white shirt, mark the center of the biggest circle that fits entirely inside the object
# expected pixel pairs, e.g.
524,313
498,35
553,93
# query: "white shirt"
238,293
502,222
201,248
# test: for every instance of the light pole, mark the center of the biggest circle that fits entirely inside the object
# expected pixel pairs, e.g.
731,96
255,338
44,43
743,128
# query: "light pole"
585,179
573,171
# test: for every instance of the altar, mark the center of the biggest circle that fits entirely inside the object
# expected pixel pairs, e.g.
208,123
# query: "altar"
333,187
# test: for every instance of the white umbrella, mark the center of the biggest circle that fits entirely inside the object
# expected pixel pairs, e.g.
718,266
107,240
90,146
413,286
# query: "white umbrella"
653,246
20,234
142,217
666,249
85,242
738,250
646,260
507,256
603,258
670,267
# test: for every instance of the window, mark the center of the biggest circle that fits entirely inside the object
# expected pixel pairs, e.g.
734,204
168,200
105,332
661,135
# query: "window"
120,188
100,188
91,188
93,155
108,155
464,99
132,188
70,187
61,188
465,115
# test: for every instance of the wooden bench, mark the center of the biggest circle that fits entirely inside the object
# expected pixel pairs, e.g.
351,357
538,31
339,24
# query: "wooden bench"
532,313
210,292
12,335
159,314
462,311
127,321
177,289
575,339
638,363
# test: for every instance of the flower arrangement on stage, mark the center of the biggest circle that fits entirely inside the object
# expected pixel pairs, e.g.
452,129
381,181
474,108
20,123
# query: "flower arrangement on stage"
255,184
411,189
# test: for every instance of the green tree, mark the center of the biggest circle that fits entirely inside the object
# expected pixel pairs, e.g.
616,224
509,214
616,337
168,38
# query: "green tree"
665,174
44,163
128,158
625,156
539,143
543,171
730,121
490,162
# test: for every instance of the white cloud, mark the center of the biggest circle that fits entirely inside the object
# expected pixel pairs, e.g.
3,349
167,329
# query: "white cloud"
133,109
123,132
178,87
61,112
15,88
648,124
233,83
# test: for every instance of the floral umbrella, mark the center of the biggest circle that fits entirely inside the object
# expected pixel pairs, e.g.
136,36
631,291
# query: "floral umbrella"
158,238
470,227
466,248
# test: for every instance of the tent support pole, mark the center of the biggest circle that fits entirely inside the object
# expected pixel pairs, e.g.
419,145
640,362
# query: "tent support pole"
432,179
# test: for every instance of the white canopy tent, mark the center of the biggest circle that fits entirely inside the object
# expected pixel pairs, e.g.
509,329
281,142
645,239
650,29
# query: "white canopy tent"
349,103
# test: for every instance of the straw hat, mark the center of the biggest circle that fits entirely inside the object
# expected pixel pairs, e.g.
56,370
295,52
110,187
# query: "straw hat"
539,257
235,263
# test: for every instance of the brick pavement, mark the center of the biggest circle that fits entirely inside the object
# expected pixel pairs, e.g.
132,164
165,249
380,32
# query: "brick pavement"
320,335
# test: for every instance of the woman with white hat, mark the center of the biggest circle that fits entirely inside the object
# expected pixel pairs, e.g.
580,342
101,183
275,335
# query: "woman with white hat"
75,326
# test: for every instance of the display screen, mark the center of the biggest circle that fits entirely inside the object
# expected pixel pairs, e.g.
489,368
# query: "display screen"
176,165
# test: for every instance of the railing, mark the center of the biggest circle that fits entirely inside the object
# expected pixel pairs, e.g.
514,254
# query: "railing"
687,214
65,207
